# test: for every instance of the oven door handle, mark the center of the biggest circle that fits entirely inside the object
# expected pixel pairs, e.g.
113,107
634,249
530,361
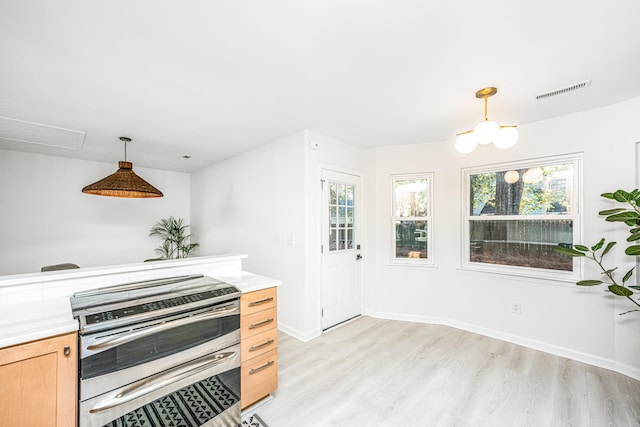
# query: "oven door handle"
156,382
140,333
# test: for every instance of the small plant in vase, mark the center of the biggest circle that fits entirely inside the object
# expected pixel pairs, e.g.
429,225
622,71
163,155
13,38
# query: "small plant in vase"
176,242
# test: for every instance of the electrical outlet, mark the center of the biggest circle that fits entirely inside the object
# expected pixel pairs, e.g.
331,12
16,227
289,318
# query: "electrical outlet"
515,308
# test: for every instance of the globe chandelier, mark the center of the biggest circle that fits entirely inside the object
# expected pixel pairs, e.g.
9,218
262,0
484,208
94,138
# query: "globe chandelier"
487,131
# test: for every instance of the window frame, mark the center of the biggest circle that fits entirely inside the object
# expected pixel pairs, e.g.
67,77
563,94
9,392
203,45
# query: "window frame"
429,261
347,226
576,216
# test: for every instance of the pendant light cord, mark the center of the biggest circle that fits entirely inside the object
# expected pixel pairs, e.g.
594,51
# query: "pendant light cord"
486,116
125,140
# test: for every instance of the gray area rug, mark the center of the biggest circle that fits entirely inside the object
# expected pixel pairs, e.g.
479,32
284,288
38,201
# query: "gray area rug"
253,421
190,406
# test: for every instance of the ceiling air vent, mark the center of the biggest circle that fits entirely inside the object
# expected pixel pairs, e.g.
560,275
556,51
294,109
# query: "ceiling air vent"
14,130
566,89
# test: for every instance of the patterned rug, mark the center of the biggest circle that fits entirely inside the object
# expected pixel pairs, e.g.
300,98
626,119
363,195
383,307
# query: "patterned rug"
253,421
191,406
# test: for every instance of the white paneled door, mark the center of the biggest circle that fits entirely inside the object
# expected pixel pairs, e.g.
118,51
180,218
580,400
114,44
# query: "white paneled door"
341,254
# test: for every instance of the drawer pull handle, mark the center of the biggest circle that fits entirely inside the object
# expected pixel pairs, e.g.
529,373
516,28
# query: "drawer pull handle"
67,350
257,325
259,346
262,301
260,368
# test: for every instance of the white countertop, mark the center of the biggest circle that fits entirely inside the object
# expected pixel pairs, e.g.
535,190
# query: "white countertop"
34,320
92,272
248,282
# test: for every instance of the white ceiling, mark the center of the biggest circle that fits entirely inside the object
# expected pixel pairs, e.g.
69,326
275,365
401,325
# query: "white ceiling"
214,78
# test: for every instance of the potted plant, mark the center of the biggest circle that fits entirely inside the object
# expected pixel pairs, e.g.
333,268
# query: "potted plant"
176,242
630,216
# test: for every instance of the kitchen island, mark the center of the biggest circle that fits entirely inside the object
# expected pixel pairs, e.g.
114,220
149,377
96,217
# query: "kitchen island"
36,305
36,318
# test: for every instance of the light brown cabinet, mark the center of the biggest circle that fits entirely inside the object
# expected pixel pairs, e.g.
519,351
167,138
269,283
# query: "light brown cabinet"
38,383
258,344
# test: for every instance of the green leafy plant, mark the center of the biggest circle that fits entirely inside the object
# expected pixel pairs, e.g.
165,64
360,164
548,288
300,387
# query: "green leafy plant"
176,242
630,216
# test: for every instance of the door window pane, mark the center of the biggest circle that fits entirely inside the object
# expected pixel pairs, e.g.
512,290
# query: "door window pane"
342,195
341,216
333,239
333,216
333,193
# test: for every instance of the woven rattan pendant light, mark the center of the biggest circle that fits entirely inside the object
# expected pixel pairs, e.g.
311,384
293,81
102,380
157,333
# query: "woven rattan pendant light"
123,182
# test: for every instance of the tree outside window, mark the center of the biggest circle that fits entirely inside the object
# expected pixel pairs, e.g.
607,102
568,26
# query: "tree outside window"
411,219
517,213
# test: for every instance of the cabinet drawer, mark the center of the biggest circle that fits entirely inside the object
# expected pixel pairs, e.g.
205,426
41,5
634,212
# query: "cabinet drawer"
259,377
260,343
258,300
258,322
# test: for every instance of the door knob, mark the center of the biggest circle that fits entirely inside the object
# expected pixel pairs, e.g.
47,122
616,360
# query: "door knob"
358,257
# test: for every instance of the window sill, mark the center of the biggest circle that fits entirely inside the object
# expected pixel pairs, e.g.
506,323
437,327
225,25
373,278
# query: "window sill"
411,265
529,276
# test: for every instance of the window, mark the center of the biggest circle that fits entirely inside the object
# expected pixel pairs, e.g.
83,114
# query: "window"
517,213
341,226
411,219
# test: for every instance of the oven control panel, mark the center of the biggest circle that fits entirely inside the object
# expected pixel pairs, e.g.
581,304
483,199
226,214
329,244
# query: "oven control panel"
161,304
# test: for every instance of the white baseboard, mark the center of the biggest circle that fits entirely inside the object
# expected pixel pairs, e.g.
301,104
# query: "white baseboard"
590,359
299,335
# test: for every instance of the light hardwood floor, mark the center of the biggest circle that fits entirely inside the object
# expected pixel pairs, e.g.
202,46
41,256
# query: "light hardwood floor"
373,372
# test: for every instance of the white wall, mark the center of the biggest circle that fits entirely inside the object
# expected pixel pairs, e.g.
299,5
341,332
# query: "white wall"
558,317
254,204
46,219
335,155
265,203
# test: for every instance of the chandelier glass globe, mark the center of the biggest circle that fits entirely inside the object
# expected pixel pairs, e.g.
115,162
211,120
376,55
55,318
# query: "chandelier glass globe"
466,143
506,138
486,131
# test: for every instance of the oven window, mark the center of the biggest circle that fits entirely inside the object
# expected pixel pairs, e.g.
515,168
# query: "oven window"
157,346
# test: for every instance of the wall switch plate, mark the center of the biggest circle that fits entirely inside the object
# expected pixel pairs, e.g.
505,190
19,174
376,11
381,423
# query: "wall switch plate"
516,308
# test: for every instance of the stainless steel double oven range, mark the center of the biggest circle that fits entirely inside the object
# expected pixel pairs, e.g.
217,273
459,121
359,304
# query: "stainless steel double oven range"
159,353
